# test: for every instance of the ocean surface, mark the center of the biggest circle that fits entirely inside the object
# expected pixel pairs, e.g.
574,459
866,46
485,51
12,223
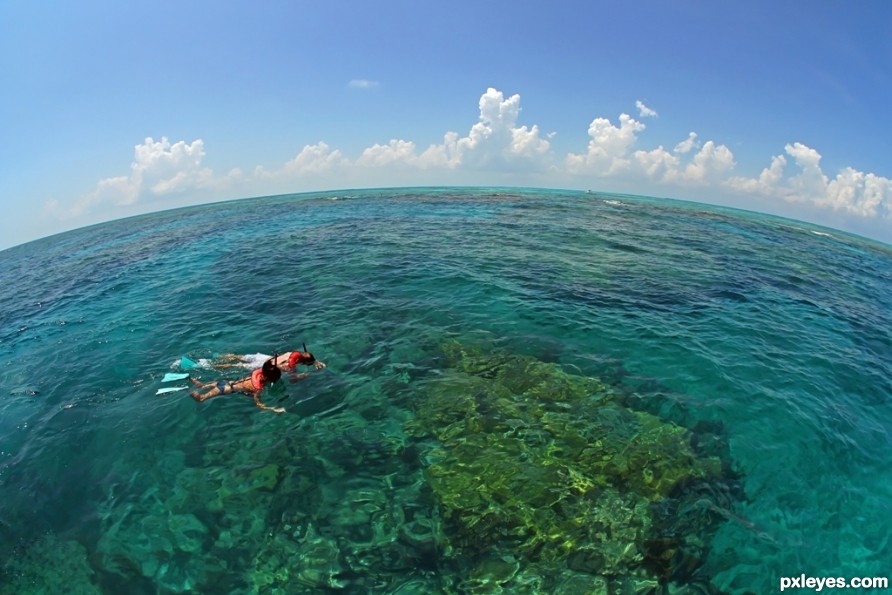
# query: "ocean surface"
526,391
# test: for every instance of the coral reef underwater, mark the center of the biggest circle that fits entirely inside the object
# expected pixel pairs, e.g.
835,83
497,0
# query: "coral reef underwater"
494,472
546,482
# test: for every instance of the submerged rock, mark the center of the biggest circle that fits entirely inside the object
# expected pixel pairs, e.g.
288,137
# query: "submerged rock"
49,565
310,564
164,546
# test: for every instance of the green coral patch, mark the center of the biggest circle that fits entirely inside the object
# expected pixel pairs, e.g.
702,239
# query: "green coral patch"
548,466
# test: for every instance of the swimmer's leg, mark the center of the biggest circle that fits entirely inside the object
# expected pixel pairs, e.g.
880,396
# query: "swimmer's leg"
221,388
201,397
229,360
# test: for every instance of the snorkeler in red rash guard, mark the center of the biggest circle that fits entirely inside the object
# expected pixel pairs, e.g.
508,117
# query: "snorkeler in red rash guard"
301,357
252,385
289,360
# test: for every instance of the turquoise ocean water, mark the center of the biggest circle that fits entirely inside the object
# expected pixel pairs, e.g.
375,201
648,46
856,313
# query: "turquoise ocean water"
764,343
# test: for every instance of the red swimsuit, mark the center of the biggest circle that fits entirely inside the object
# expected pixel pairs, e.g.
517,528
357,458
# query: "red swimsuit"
257,379
296,358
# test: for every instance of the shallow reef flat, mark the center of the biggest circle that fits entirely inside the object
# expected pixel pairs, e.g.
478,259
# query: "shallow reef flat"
489,472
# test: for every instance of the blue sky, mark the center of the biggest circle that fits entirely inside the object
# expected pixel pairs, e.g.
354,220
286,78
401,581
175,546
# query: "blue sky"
111,109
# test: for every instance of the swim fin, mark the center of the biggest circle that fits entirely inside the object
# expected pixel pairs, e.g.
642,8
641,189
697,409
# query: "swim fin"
170,376
170,389
187,364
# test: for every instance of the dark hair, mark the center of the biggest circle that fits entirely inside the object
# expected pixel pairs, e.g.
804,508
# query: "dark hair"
309,359
270,370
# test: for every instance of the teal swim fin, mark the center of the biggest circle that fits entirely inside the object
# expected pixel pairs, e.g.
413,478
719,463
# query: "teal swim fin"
170,377
170,389
187,364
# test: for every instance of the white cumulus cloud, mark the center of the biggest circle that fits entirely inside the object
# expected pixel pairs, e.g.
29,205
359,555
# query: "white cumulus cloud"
710,164
608,149
610,154
159,168
851,191
767,181
495,141
688,144
657,164
311,160
644,111
810,182
395,152
315,159
498,144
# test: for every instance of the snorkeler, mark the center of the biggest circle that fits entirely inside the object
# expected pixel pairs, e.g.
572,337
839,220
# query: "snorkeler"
252,385
289,359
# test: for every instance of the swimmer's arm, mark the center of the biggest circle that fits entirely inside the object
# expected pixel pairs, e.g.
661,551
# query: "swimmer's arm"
263,405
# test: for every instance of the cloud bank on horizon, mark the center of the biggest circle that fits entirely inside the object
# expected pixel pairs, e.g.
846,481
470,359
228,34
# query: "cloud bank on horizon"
498,144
